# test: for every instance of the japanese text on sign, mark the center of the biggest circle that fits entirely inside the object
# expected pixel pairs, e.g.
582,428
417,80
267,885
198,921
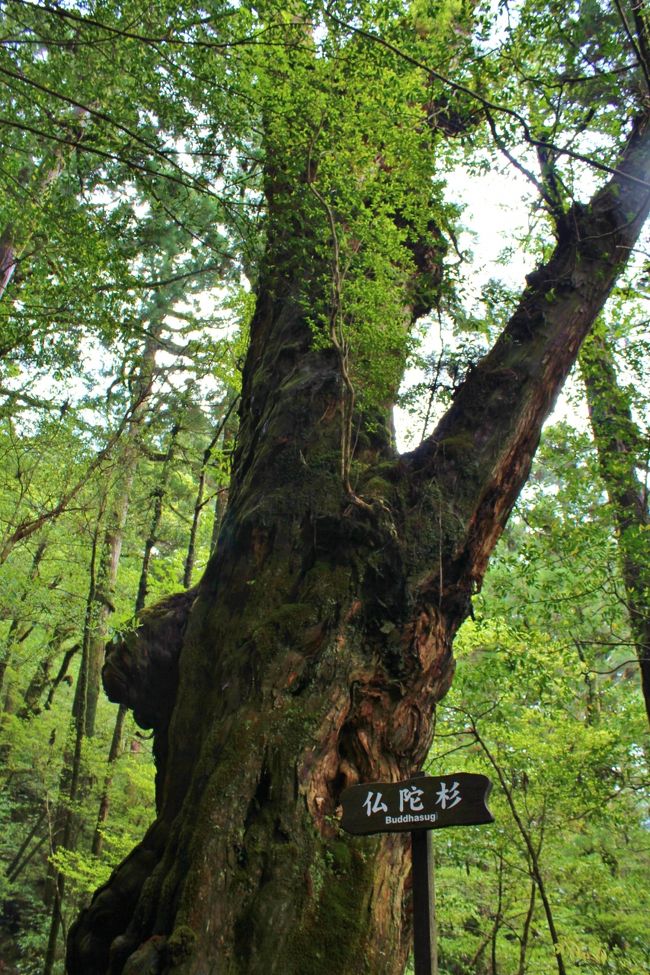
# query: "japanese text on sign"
410,801
422,802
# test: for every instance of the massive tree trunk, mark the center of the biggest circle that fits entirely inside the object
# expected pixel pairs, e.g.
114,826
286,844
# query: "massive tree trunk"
321,635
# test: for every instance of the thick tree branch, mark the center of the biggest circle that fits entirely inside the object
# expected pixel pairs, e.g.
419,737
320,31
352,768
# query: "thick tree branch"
479,456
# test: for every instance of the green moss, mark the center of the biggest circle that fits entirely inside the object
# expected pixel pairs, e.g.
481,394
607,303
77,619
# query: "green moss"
180,944
460,445
285,624
333,940
326,584
378,487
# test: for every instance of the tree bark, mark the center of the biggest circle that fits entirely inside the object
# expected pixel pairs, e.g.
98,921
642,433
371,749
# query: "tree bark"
8,260
620,449
320,637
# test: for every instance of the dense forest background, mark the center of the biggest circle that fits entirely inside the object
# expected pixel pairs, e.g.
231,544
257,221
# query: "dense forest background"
131,221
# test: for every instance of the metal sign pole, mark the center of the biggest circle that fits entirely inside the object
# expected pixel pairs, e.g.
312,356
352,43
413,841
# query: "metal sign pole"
424,919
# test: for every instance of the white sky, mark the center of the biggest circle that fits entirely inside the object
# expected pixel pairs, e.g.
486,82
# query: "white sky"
496,217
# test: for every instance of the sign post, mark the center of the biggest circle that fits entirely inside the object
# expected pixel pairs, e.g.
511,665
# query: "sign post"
418,805
424,915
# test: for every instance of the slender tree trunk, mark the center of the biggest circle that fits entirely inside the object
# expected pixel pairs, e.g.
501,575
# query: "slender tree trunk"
24,856
62,674
118,730
14,239
620,450
220,505
114,753
14,867
221,499
8,260
18,629
105,588
41,678
477,964
199,503
320,636
63,834
592,704
533,855
525,934
116,522
498,917
156,516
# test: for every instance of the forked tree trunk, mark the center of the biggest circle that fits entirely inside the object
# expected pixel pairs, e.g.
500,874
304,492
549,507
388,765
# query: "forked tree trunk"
320,638
41,679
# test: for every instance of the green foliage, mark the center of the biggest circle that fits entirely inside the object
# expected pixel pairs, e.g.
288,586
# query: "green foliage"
546,693
156,161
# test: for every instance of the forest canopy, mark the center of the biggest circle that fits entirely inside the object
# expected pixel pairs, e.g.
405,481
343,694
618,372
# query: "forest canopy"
232,243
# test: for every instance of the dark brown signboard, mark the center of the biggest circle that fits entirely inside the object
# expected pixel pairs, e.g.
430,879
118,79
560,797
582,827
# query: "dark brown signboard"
423,802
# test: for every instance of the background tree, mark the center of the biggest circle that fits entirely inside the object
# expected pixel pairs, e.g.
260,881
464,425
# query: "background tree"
102,262
545,702
622,453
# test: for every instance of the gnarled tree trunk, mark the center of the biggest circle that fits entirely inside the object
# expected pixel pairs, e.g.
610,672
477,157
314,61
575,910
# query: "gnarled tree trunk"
321,635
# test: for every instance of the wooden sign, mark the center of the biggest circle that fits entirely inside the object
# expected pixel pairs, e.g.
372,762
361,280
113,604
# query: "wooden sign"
423,802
